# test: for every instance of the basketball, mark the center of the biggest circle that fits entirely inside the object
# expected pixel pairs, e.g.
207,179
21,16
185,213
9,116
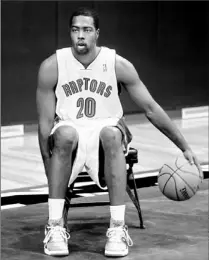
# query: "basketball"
179,180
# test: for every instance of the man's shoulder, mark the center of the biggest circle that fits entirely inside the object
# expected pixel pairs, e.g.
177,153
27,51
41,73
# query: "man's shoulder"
124,68
63,50
50,63
122,63
108,49
48,72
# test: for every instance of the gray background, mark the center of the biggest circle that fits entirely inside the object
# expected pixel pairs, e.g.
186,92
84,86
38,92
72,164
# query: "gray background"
166,41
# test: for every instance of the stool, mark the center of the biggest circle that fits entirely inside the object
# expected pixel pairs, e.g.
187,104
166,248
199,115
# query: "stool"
131,159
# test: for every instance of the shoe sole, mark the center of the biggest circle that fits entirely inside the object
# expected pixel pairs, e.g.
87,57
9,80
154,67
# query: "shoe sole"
56,253
116,253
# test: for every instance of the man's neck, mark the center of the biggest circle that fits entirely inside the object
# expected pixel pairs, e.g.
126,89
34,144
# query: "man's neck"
88,58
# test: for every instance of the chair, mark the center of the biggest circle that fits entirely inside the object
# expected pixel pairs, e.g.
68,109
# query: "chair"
131,159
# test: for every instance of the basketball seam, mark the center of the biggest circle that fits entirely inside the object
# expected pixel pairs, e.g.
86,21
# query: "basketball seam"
168,178
174,183
176,189
171,175
187,171
175,171
166,181
182,178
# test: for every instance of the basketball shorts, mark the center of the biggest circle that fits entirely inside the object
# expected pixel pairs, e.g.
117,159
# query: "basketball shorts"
89,155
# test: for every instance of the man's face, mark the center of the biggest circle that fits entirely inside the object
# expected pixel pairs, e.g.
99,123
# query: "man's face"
83,34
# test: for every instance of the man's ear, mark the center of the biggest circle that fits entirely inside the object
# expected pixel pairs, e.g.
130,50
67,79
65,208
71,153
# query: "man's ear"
98,33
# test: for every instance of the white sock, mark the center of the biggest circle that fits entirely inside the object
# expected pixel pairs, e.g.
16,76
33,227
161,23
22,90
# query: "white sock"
56,207
117,214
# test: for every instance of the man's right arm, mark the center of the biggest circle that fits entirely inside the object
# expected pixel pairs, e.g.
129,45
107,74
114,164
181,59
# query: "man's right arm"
46,104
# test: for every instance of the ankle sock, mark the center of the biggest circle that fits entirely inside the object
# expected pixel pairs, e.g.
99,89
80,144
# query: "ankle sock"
56,207
117,214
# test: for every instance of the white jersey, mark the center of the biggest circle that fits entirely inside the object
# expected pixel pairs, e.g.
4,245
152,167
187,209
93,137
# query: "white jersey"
87,94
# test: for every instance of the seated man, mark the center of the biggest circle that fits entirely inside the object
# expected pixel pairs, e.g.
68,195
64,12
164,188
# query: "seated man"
78,85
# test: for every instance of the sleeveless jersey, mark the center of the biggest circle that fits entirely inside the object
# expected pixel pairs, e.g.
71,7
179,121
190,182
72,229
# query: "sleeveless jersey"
87,94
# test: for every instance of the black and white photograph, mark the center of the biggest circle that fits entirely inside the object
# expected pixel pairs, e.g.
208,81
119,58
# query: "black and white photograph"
104,130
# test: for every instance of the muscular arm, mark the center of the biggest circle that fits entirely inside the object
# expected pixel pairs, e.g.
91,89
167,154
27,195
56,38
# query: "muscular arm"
46,103
127,74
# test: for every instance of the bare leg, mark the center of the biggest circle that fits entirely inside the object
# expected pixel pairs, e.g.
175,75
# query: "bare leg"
65,141
115,166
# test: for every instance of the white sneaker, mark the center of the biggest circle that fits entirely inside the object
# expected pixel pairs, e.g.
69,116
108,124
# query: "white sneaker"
118,241
56,238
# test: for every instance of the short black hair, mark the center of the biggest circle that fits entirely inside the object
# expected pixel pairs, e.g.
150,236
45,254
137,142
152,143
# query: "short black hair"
86,11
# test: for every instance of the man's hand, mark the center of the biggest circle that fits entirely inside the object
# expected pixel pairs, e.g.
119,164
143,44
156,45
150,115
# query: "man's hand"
192,158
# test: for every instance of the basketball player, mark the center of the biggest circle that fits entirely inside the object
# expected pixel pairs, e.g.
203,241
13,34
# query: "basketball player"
80,113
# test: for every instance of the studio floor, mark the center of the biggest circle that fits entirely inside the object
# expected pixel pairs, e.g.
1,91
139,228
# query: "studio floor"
174,230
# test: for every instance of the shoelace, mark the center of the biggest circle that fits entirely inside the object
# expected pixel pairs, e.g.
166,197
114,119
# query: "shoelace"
120,233
53,231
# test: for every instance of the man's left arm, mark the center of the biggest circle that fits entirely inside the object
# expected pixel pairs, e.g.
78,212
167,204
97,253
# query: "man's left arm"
127,74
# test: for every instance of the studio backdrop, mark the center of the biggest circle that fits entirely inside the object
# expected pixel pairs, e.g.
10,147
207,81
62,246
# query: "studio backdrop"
166,41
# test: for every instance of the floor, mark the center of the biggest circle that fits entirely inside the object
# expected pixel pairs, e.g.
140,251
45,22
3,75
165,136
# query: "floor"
174,230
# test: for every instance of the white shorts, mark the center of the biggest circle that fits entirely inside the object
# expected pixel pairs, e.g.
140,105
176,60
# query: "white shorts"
87,155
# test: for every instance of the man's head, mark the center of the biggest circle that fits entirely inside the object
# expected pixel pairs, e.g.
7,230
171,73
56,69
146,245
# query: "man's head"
84,30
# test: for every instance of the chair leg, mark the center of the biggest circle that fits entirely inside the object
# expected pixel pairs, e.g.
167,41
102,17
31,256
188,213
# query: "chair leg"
135,199
68,198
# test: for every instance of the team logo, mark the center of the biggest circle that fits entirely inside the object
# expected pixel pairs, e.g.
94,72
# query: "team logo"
104,67
184,193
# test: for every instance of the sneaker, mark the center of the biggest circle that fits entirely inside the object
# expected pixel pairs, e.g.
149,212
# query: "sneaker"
118,241
56,238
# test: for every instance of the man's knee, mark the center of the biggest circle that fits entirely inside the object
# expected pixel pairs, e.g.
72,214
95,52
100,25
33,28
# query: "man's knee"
65,137
111,138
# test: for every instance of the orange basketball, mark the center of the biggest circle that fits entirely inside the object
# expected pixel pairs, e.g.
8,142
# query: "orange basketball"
179,180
